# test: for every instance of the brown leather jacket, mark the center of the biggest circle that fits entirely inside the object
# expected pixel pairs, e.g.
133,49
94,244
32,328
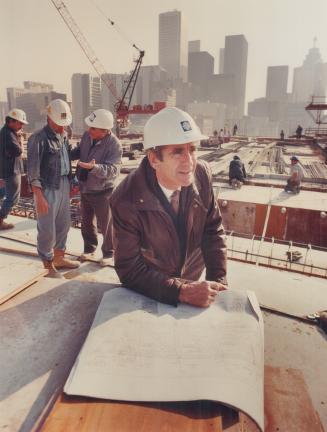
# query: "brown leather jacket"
147,249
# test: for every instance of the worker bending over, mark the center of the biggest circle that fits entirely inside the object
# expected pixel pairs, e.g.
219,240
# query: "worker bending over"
167,224
237,172
296,176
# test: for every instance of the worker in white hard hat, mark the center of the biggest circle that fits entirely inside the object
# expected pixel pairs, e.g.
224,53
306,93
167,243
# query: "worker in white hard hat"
99,154
11,162
49,174
166,221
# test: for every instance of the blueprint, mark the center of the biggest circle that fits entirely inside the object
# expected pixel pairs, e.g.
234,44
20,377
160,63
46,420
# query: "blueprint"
141,350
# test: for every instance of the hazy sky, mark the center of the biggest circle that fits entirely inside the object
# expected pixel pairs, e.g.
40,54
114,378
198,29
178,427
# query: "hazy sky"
36,45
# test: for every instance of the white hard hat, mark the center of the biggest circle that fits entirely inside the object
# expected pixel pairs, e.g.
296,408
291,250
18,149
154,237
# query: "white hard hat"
170,126
101,119
59,112
18,114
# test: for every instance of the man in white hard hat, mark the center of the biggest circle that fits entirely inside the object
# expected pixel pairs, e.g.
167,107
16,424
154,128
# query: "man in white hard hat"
99,154
49,172
167,224
11,162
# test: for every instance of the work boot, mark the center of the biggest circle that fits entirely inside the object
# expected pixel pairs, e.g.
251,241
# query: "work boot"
107,261
61,262
52,271
4,225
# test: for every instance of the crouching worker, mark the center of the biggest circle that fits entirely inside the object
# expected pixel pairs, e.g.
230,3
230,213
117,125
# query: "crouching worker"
296,175
237,172
49,172
166,220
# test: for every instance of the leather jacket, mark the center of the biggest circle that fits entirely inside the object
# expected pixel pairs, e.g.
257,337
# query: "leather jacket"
147,246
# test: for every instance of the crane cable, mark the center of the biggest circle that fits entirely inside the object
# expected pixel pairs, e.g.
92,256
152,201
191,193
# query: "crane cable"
116,26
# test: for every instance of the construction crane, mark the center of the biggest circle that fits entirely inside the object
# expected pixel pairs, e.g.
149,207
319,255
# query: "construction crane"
122,105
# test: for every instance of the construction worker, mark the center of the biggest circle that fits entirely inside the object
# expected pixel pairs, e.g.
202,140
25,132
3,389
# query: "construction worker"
298,132
237,172
99,154
166,220
296,176
11,162
49,172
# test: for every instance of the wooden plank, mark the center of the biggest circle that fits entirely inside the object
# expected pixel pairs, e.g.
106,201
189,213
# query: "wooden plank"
86,414
288,406
27,270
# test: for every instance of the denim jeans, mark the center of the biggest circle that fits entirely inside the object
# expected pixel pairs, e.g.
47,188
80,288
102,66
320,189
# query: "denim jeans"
11,194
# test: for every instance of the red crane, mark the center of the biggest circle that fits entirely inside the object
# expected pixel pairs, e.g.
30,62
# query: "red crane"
122,105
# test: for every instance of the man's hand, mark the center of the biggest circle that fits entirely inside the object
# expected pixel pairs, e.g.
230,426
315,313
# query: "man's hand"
200,294
87,165
41,204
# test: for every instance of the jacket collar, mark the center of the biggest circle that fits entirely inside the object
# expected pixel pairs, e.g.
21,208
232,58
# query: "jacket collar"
51,133
145,185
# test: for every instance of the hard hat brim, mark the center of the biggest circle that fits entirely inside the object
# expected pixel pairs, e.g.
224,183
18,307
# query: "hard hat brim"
65,122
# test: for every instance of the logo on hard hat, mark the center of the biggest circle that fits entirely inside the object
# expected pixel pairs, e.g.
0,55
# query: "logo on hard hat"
14,113
186,126
63,116
92,117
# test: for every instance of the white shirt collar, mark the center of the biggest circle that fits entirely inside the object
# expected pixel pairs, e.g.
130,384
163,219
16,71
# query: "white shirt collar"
168,192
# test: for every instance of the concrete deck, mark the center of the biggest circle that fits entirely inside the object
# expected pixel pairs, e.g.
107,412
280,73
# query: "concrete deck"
267,195
43,328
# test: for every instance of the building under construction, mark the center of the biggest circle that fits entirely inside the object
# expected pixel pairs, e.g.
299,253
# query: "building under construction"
277,247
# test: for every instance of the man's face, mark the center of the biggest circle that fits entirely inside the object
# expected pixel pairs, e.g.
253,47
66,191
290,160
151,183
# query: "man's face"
177,166
97,134
58,129
15,125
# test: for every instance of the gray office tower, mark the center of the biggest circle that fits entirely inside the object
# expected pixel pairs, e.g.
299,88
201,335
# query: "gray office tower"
235,63
173,44
277,77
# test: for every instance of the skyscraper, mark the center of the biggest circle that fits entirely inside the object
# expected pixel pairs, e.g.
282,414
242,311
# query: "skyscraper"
173,44
86,97
310,79
235,63
276,88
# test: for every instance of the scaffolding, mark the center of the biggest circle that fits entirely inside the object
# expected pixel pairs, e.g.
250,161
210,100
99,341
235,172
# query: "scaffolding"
317,110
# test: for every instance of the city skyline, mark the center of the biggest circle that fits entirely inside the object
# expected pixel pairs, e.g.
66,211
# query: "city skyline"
31,34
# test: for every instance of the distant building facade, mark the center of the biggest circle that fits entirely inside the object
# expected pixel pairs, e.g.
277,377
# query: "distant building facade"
35,104
3,112
235,63
173,44
276,87
194,46
200,71
86,97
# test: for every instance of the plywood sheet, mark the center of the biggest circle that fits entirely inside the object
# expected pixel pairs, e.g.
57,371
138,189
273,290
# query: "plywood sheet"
288,408
77,414
16,273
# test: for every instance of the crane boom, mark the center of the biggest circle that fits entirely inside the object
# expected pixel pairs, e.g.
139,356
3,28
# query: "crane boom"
83,43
